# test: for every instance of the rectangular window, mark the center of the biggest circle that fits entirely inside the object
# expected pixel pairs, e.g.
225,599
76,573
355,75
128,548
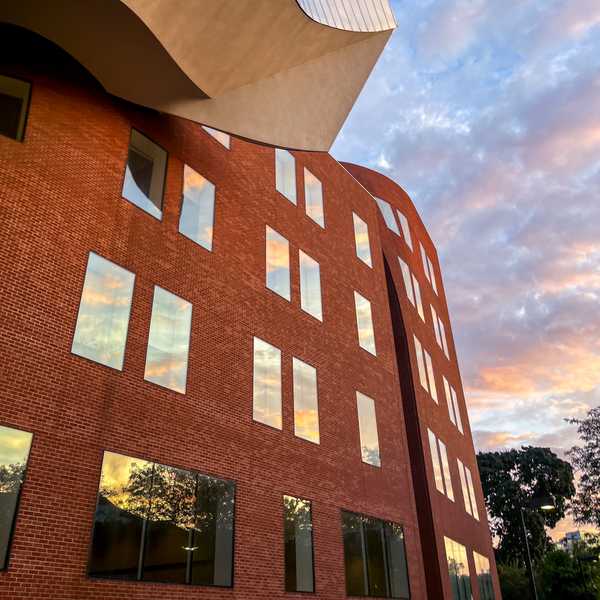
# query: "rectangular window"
364,322
421,363
14,104
103,318
222,137
406,277
367,427
361,240
277,263
405,229
298,540
436,327
306,403
374,557
449,401
484,577
285,174
458,569
425,263
388,215
430,376
198,208
432,275
310,286
446,470
443,338
14,454
418,298
145,174
456,410
435,461
158,523
472,493
463,486
267,384
168,341
313,198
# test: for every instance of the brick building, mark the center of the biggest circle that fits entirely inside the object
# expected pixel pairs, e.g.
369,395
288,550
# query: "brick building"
228,368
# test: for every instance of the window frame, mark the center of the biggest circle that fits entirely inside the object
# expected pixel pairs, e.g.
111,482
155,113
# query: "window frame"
25,108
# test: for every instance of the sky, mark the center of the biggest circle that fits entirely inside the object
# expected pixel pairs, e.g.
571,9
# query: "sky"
488,114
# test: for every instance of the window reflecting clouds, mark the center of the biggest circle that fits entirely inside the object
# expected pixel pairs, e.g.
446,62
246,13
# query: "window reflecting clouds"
158,523
310,286
14,453
405,228
313,195
435,461
388,215
367,425
168,341
446,470
197,209
103,318
285,174
458,569
364,322
430,376
267,384
306,406
299,573
222,137
277,263
418,298
407,279
463,486
361,240
472,493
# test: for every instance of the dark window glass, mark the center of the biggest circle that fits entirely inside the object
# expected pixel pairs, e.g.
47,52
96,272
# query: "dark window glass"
375,557
299,574
14,452
14,100
158,523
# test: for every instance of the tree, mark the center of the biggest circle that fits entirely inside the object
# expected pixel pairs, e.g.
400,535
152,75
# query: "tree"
511,479
586,460
514,583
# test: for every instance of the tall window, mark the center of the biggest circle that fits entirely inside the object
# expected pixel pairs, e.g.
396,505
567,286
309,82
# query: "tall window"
14,454
464,487
298,540
158,523
430,376
14,104
458,569
306,403
425,368
310,286
374,557
407,279
367,426
364,322
453,409
285,174
484,576
472,493
267,384
103,318
440,331
168,341
278,263
313,198
428,268
198,208
441,468
405,228
361,240
145,174
388,215
222,137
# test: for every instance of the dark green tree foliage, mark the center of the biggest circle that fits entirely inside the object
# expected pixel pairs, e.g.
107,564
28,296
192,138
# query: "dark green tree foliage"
510,480
586,460
514,582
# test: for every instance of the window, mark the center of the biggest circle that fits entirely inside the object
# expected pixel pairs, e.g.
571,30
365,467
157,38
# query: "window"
313,198
388,215
484,577
103,318
306,404
421,363
198,208
431,275
374,557
440,332
443,338
14,104
406,277
158,523
278,264
267,384
145,174
361,240
168,341
472,493
458,569
298,540
441,468
367,427
405,228
14,454
285,174
364,322
425,368
220,136
310,286
432,388
463,486
418,298
452,402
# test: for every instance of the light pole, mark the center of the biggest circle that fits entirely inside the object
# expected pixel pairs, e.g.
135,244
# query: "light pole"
545,503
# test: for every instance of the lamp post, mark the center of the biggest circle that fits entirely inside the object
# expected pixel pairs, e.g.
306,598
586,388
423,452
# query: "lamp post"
545,503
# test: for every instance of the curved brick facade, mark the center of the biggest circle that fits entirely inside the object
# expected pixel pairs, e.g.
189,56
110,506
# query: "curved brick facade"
60,191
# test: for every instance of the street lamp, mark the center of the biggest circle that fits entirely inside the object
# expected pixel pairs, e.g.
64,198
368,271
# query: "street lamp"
545,503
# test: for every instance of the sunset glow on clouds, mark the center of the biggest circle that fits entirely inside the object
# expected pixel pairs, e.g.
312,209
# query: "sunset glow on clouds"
488,115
